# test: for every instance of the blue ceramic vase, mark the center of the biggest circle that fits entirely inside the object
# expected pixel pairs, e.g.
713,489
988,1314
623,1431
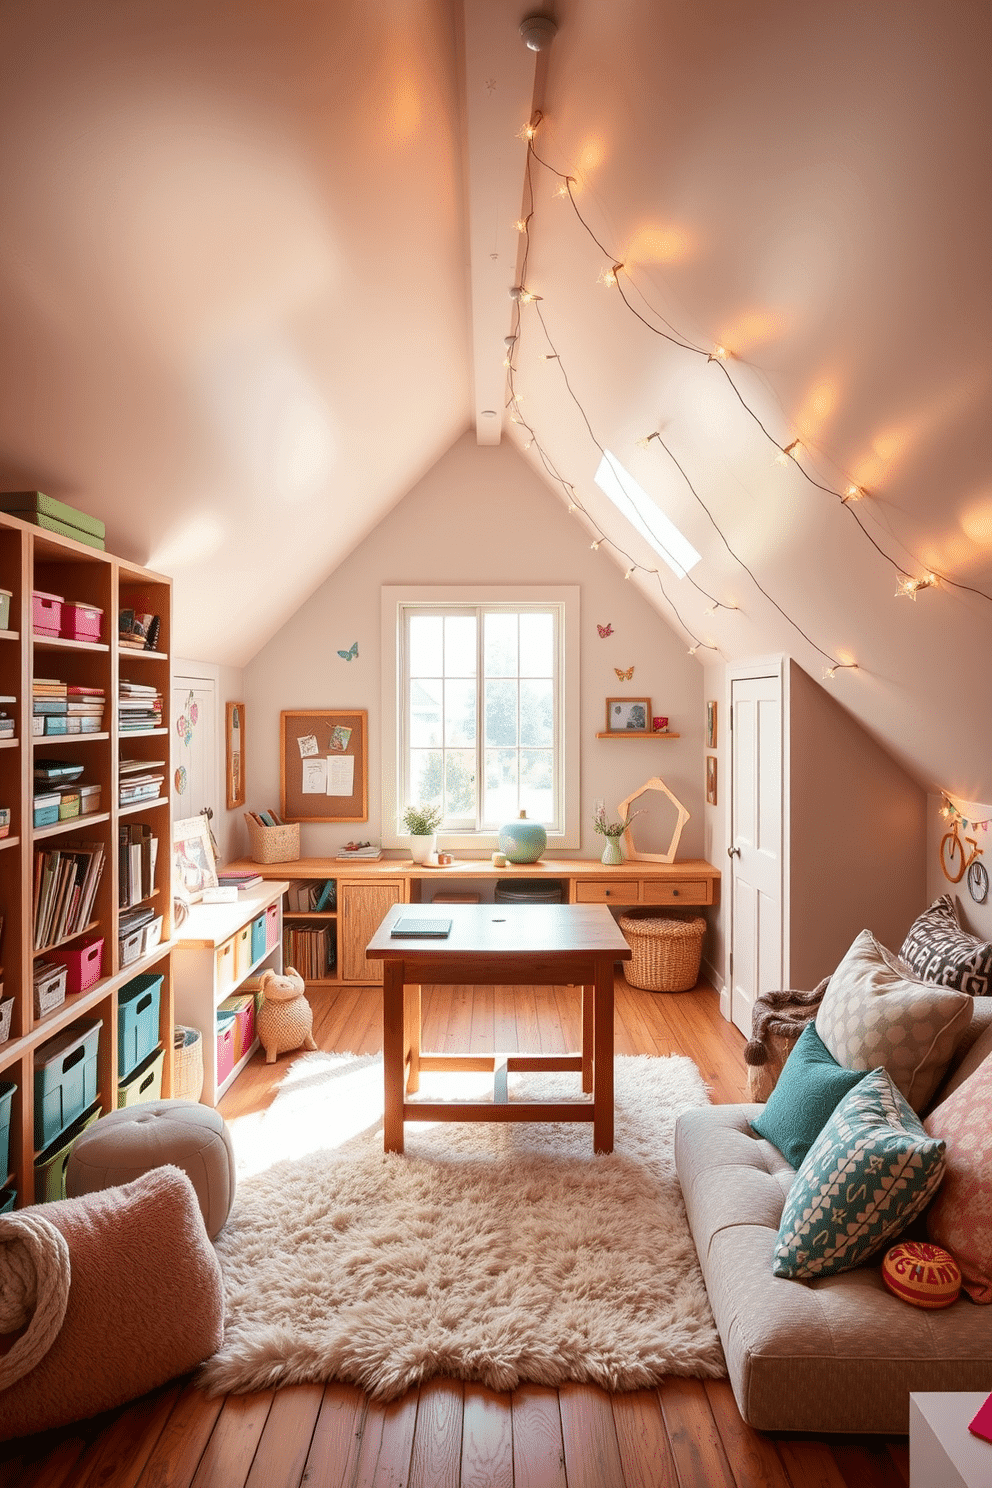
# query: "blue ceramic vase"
522,841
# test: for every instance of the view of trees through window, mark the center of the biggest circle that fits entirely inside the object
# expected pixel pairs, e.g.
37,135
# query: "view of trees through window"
481,716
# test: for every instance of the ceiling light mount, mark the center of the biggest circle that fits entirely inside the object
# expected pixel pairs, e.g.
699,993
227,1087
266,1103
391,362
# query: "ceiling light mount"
538,32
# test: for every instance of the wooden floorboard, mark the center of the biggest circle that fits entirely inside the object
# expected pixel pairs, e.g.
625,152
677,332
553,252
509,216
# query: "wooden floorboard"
684,1434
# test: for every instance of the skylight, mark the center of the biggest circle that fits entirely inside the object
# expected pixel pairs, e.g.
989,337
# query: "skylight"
642,513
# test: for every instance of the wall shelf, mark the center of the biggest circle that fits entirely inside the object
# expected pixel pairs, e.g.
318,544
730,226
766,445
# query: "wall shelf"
637,734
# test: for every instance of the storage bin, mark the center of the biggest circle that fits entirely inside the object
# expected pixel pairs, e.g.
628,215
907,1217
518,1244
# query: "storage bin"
50,1165
4,821
6,595
187,1063
271,927
7,1088
6,1013
273,844
224,977
242,1005
89,799
152,935
257,939
8,1198
80,622
46,612
49,982
242,952
69,804
137,1021
226,1036
83,963
46,810
64,1079
54,723
144,1083
129,946
666,951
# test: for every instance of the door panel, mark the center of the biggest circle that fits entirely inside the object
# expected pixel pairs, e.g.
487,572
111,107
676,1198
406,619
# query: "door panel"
756,836
362,907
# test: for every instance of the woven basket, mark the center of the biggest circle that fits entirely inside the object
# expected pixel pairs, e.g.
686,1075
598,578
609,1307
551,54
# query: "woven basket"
187,1063
274,844
667,952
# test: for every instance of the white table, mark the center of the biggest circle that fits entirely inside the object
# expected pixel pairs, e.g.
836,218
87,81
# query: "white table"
942,1451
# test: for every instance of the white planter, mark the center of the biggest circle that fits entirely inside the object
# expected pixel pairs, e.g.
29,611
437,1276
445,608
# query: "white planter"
422,848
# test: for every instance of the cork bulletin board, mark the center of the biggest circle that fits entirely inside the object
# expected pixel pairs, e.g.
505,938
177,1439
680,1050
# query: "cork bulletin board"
324,765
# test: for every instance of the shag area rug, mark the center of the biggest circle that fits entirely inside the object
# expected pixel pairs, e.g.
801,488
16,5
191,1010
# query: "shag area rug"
492,1252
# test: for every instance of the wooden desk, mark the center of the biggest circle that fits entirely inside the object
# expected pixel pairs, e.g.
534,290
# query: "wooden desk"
511,945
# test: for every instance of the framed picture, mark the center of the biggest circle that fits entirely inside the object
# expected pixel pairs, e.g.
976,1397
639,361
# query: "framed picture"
711,726
711,780
234,755
193,866
628,715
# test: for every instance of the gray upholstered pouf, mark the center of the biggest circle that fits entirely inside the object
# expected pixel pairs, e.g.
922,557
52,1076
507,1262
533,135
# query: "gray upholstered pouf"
122,1146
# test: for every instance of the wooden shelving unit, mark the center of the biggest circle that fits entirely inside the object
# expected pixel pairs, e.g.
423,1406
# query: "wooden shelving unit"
31,558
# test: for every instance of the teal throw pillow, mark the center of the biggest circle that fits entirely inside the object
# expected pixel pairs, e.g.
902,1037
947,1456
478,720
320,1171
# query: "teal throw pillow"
871,1170
810,1086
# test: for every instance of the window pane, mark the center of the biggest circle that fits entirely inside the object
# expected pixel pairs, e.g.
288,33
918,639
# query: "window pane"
459,713
537,633
425,777
537,784
501,645
459,783
536,713
501,712
426,656
459,646
425,712
501,786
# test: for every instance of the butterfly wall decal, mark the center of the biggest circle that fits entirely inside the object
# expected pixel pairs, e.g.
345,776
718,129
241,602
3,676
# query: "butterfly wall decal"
624,676
349,655
604,630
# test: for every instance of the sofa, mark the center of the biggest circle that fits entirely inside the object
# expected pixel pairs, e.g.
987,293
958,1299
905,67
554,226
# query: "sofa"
837,1353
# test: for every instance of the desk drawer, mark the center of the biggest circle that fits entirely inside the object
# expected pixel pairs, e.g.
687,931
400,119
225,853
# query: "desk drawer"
681,891
608,890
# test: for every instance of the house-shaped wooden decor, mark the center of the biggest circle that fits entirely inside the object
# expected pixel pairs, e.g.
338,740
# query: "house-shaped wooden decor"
654,784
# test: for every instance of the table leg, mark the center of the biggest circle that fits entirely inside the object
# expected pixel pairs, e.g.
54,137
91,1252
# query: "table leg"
392,1056
411,1035
588,1026
602,1124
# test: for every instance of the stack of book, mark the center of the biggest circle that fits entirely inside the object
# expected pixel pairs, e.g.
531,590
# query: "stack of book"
84,709
6,719
238,878
310,948
363,851
65,885
139,707
58,708
312,894
136,863
140,780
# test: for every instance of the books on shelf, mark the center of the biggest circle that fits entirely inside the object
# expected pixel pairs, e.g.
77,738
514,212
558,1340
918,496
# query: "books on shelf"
140,780
139,706
311,949
65,885
60,708
312,894
136,859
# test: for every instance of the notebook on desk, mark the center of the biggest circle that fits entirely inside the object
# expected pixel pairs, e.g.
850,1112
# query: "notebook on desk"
429,929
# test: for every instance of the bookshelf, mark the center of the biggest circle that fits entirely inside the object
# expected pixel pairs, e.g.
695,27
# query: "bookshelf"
33,559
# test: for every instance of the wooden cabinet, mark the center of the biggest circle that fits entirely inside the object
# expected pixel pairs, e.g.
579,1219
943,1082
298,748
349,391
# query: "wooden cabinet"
361,907
628,890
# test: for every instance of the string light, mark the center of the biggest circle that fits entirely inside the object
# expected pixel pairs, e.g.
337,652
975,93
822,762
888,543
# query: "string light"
628,574
523,296
645,443
782,458
853,493
718,354
597,544
609,276
950,811
839,666
520,225
909,587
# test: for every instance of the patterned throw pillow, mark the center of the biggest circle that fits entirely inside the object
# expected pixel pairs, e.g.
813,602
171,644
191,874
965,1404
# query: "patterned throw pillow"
871,1170
874,1012
808,1090
960,1217
938,950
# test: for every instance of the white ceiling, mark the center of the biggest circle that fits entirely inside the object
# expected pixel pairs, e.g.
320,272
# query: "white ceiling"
248,296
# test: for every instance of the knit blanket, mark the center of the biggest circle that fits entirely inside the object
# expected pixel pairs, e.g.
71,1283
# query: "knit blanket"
777,1020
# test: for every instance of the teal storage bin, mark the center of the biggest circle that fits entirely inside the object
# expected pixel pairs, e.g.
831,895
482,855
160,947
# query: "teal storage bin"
137,1021
7,1088
8,1198
64,1079
50,1165
257,939
47,814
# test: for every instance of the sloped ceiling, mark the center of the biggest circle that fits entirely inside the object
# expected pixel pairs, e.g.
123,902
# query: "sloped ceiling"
254,263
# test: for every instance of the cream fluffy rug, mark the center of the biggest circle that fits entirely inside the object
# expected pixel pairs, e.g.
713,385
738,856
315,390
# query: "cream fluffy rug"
491,1252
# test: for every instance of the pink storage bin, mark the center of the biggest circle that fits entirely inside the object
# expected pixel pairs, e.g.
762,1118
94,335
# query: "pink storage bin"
46,612
81,622
83,963
242,1005
227,1034
271,926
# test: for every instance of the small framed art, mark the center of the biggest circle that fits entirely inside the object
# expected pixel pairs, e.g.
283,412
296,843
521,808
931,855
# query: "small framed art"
234,755
711,780
194,867
711,725
628,715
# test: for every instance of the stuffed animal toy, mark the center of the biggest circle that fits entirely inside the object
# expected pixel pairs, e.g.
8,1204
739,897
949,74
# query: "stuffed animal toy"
285,1019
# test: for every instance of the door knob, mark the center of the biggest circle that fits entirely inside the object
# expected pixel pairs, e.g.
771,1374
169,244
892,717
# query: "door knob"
733,852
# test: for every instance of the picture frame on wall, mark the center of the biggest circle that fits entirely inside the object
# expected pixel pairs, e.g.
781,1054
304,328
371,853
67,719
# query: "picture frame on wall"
234,754
711,780
711,725
628,715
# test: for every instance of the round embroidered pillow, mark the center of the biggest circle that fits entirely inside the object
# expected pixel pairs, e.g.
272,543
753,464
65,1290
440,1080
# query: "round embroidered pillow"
922,1274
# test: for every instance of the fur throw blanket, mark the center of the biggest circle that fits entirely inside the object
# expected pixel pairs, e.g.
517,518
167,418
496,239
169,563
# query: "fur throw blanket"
781,1014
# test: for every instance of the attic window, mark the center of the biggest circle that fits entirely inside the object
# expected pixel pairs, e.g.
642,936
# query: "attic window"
643,514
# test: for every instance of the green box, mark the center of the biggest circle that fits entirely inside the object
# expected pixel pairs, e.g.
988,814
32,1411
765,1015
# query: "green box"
144,1083
50,1165
29,505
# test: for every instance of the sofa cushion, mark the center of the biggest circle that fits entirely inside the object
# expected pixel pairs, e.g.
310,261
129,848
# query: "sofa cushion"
875,1012
871,1170
938,950
808,1089
960,1217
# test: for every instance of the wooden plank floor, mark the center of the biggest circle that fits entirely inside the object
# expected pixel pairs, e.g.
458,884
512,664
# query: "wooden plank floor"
685,1434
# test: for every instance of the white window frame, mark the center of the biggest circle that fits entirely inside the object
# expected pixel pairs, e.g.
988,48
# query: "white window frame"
395,598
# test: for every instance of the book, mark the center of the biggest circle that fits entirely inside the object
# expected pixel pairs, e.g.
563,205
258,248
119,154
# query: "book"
328,895
417,928
241,879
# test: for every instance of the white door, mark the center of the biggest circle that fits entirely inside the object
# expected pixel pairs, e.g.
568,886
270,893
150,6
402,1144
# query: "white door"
193,721
756,960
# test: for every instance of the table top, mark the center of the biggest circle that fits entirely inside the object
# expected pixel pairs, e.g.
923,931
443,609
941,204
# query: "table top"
465,867
504,930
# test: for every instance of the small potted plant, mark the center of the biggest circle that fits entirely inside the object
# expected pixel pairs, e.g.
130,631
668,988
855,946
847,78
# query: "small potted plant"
612,831
422,823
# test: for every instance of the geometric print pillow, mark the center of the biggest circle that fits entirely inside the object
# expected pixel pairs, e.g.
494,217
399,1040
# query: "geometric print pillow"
960,1217
871,1170
939,951
875,1012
